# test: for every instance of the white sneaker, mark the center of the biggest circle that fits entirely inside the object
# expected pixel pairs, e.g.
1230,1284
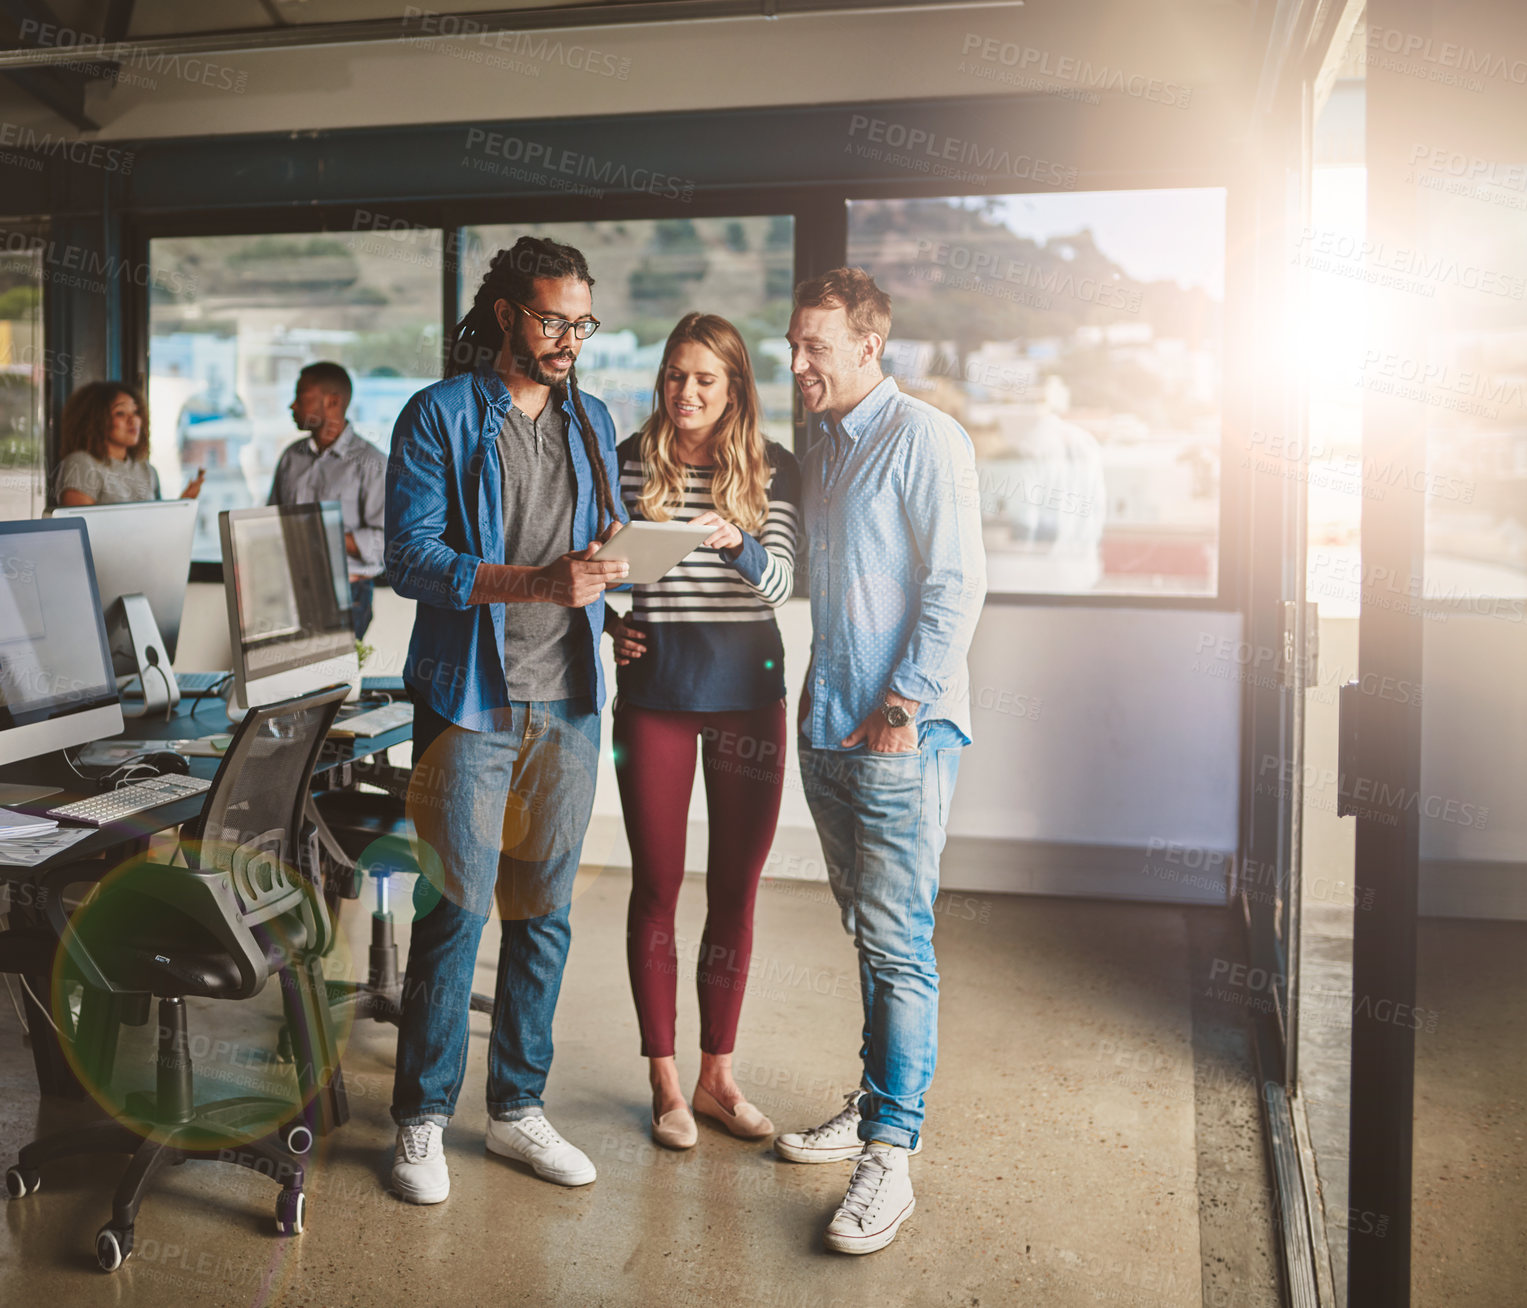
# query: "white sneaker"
535,1142
419,1173
878,1201
833,1141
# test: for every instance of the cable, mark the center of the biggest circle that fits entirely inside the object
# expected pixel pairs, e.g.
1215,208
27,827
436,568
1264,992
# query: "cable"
82,776
169,691
216,688
119,774
42,1008
16,1004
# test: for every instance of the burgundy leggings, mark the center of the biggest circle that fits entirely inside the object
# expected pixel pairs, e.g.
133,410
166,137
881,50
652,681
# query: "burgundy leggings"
743,754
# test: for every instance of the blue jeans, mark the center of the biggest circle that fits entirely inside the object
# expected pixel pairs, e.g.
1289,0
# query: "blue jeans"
500,815
881,819
362,603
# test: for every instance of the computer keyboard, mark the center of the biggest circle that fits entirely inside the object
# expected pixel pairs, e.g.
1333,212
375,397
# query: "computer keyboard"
375,721
197,683
118,805
190,683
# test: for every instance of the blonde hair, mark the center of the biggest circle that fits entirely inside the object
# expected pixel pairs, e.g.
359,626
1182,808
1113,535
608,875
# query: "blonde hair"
740,484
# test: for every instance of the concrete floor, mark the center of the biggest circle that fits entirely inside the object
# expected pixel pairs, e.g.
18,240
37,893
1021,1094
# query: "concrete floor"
1092,1138
1469,1174
1325,1065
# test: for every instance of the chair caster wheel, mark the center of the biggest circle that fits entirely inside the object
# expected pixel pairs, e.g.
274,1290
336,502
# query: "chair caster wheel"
113,1247
297,1138
290,1207
22,1181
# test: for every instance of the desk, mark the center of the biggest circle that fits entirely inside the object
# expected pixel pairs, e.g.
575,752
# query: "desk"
102,1014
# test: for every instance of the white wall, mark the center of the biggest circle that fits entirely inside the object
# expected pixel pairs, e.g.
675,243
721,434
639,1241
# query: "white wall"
1474,764
1093,727
1474,738
1473,767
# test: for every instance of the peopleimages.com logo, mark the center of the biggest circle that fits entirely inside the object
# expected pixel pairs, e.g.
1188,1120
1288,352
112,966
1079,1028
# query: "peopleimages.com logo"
91,154
940,155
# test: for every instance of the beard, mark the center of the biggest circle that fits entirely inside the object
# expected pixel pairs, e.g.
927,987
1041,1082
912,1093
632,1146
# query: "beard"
523,346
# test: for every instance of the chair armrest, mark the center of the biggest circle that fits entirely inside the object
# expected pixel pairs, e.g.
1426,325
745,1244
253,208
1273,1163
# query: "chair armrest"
337,875
320,924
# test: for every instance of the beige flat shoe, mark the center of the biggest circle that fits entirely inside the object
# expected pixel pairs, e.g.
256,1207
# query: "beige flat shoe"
675,1129
744,1121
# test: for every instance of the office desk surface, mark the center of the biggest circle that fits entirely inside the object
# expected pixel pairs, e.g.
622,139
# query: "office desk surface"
209,717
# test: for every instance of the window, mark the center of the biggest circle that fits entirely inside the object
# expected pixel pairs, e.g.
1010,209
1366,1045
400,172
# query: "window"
647,275
1077,337
22,370
233,319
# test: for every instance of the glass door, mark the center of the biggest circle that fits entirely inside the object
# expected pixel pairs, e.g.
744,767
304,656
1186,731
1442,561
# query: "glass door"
1435,766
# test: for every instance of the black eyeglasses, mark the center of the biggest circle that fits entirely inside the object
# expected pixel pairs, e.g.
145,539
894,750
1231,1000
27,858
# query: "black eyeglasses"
554,327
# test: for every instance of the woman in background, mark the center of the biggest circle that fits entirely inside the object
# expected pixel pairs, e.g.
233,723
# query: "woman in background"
104,439
700,659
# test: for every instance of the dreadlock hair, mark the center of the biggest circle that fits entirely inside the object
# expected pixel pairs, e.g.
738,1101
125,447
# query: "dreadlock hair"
478,338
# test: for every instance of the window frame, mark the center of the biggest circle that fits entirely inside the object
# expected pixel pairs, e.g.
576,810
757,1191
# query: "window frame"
55,383
820,216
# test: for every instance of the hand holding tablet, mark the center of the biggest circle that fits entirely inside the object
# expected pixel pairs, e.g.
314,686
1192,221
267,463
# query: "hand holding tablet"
652,549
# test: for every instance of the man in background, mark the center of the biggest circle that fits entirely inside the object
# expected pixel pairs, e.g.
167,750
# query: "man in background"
334,462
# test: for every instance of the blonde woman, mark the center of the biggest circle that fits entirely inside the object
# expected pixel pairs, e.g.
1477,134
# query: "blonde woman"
104,439
699,659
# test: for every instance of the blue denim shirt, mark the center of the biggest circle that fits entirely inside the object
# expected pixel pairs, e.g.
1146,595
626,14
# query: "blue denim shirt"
896,565
445,516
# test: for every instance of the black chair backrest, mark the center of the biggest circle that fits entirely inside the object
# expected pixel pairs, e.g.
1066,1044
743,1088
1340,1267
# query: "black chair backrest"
245,882
253,815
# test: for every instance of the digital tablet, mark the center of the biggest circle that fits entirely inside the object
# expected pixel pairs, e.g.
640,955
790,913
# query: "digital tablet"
652,548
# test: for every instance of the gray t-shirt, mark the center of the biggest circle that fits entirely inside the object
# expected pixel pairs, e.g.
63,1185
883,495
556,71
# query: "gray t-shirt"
545,645
108,481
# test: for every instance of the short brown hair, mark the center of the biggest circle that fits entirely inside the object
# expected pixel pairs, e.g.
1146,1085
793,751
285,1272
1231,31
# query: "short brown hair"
86,420
867,307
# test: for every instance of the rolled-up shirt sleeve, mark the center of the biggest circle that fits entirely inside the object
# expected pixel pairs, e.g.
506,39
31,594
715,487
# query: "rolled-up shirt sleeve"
940,494
420,565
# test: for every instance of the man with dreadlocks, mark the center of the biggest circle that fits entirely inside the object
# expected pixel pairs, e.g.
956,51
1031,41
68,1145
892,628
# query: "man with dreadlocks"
498,493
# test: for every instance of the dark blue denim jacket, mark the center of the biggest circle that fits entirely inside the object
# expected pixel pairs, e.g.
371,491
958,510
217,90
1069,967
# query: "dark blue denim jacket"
445,515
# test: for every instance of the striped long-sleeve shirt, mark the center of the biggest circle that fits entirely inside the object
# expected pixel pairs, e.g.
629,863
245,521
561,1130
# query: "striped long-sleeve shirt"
712,642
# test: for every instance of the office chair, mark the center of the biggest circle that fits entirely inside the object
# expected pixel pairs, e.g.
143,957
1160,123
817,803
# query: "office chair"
364,832
244,906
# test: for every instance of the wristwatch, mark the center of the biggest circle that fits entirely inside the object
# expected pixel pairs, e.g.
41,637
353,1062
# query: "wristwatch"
894,714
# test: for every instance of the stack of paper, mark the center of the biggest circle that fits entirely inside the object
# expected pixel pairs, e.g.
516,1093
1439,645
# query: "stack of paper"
13,824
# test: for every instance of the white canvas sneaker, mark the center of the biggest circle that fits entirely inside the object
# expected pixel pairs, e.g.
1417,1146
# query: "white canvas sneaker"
832,1142
878,1201
534,1141
419,1173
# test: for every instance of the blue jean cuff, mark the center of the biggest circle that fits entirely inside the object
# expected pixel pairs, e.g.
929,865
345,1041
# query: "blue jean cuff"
512,1110
884,1133
442,1120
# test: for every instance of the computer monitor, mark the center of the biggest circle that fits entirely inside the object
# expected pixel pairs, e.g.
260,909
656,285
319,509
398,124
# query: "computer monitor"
288,589
141,549
57,688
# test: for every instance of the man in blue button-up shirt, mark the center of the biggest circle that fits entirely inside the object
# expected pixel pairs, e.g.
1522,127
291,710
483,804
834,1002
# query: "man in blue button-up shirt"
897,576
498,492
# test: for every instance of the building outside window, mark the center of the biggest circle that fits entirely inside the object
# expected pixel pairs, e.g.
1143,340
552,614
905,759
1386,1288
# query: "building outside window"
24,366
1077,337
647,275
234,319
